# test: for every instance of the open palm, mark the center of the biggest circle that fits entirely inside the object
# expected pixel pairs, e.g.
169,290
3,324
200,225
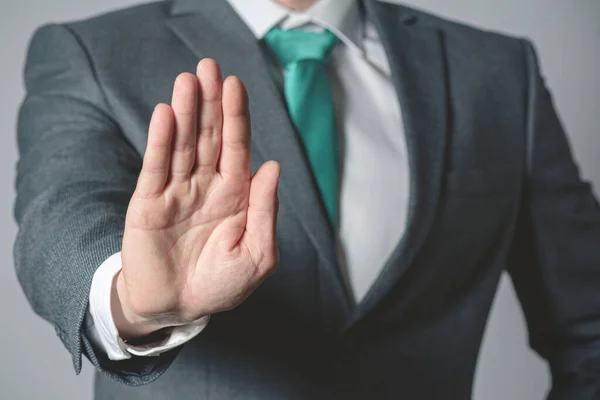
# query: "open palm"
200,230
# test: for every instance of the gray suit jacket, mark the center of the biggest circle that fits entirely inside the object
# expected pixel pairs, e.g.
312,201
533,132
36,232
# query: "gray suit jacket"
493,187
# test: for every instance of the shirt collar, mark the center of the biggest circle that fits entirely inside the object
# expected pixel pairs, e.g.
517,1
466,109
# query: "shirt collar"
341,17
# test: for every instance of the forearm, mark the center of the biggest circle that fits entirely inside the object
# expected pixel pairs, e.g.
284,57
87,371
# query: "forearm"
555,259
55,264
75,176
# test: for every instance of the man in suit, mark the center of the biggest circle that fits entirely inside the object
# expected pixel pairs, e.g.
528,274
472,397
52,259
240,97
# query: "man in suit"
415,159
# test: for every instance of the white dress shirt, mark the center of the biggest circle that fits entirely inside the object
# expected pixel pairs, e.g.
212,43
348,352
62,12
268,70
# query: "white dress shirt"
374,169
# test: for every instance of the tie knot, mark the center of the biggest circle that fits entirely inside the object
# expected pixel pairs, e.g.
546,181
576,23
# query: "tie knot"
292,46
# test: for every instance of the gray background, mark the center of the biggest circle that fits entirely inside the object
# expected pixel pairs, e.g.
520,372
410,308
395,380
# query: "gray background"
567,34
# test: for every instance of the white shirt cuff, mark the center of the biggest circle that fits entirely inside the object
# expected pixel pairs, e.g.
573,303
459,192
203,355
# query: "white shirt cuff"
101,328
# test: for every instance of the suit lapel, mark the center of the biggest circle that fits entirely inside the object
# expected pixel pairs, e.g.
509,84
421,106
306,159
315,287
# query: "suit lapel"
213,29
415,52
416,58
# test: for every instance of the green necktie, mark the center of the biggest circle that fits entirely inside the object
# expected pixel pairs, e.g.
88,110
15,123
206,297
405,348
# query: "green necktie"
307,91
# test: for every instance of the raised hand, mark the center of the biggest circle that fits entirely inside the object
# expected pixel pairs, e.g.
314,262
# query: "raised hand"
200,229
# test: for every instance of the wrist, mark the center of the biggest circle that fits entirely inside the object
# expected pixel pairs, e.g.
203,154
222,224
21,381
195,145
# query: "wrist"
130,325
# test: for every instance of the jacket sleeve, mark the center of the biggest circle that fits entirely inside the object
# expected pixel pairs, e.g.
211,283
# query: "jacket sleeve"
75,176
555,258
